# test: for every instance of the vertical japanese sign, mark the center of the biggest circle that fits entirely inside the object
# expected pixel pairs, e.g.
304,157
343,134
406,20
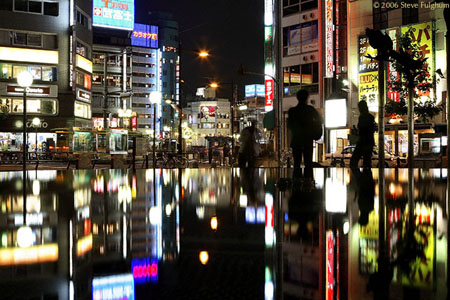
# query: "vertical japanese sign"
329,47
368,74
422,36
117,14
268,53
330,265
392,73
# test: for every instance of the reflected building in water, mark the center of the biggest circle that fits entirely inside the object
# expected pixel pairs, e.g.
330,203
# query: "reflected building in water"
242,233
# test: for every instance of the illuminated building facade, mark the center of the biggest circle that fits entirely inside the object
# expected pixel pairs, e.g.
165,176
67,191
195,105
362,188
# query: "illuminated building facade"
52,41
429,27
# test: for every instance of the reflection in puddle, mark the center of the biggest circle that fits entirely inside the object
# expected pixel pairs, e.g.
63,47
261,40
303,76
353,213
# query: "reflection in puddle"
251,233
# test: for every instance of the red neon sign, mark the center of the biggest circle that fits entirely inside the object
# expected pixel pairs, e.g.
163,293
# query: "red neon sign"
269,92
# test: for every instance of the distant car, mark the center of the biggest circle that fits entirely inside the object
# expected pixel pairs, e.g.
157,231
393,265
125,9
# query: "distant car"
342,157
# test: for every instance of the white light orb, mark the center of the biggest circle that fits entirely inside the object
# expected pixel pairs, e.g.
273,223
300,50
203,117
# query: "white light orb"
25,79
24,236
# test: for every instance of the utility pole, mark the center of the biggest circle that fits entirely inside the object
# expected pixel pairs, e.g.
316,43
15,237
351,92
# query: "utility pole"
105,92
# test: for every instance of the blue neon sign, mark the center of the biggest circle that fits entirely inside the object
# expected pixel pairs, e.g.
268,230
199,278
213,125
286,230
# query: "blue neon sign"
144,36
144,270
117,14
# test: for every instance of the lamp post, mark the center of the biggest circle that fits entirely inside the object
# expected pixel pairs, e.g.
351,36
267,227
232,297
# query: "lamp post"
36,123
25,79
232,104
155,98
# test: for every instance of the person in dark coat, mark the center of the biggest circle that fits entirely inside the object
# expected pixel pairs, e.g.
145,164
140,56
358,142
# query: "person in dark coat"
366,142
301,119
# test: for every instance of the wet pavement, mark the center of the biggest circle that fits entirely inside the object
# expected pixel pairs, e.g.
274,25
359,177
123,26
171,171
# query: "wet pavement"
224,234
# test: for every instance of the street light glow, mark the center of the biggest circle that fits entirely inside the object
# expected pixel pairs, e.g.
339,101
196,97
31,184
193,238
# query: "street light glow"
203,54
214,85
25,79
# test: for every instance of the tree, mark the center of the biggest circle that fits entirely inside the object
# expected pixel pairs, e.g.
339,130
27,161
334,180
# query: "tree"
424,106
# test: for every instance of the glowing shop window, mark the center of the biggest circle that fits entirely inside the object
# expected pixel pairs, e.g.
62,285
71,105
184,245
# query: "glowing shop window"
82,110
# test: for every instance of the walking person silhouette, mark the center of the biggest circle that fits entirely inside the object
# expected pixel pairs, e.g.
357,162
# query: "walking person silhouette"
366,142
248,146
303,119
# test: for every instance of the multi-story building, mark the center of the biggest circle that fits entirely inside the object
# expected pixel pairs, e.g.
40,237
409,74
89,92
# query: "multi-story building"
207,118
51,40
428,29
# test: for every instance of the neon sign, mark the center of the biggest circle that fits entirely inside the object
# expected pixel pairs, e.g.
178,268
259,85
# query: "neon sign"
144,270
329,29
117,14
145,36
115,287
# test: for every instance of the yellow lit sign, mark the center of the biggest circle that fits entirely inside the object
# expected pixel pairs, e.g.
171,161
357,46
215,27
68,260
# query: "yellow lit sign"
84,245
29,55
84,63
30,255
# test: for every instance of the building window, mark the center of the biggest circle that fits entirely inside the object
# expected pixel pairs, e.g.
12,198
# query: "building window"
290,7
300,38
164,84
34,106
410,15
48,8
301,77
83,50
380,19
83,79
27,39
83,19
82,110
44,73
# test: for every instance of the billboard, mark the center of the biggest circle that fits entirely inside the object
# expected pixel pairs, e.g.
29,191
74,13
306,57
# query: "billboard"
144,36
118,14
114,287
254,90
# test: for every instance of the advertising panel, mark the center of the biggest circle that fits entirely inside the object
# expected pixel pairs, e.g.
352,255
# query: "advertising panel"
260,90
145,36
329,38
392,74
368,89
269,94
118,14
207,112
310,33
144,269
422,35
250,90
366,64
114,287
294,40
335,113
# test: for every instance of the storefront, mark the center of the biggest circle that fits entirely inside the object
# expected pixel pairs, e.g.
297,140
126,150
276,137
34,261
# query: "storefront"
83,140
118,141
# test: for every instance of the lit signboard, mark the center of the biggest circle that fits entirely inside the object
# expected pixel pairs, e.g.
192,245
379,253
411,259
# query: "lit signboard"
30,255
254,90
260,90
117,14
29,55
144,270
250,91
84,245
335,113
115,287
145,36
269,94
329,38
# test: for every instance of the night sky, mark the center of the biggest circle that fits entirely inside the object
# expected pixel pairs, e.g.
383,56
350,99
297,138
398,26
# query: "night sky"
232,31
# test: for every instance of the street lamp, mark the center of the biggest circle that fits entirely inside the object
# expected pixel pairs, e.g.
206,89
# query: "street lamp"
232,104
155,98
36,123
25,80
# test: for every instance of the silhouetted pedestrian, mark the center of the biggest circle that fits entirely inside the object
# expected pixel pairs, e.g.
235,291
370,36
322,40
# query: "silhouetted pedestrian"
226,153
365,192
303,120
248,146
366,142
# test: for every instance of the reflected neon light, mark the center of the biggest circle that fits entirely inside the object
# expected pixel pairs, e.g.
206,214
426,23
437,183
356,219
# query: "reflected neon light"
30,255
144,270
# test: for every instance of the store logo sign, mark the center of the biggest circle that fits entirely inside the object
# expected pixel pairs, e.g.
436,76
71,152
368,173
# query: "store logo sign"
15,89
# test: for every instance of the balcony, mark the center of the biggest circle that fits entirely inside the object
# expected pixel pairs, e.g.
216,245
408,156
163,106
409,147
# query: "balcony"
145,121
144,80
143,110
141,100
143,70
142,90
143,60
